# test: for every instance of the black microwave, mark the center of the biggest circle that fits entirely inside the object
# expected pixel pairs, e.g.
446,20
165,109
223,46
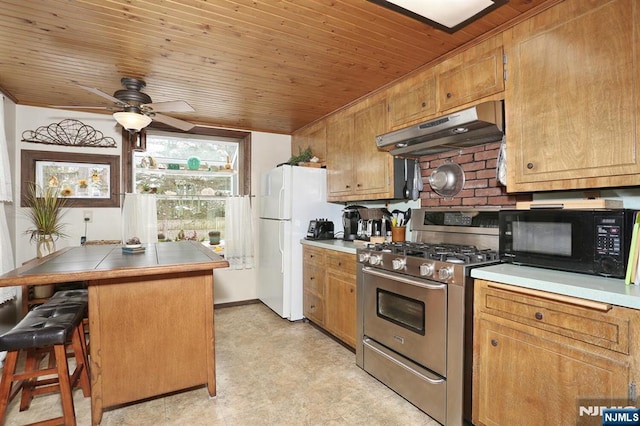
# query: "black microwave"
587,241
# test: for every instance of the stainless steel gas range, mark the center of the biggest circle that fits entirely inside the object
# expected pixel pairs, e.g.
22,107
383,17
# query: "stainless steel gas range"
415,309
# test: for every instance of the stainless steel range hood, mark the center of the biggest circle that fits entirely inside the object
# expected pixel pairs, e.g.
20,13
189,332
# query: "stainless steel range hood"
478,125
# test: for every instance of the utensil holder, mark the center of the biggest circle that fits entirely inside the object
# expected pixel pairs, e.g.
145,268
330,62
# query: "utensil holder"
398,233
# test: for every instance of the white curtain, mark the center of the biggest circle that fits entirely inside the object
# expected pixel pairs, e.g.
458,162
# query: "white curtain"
238,239
6,252
140,218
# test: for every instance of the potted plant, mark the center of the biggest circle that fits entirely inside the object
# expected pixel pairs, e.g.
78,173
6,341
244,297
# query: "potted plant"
45,212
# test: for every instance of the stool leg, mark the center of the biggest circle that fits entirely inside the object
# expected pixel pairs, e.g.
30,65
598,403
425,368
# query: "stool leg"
30,364
6,382
66,395
82,361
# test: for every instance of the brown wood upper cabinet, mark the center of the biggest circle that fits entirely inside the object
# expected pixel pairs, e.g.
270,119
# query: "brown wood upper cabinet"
412,100
314,137
472,75
572,97
466,78
356,170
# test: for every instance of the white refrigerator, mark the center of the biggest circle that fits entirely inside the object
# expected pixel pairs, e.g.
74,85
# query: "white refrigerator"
290,197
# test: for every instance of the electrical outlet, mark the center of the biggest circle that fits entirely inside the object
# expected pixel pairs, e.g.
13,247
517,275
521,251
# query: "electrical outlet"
87,215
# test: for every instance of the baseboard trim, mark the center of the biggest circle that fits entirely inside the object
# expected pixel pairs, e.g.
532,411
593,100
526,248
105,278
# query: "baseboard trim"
239,303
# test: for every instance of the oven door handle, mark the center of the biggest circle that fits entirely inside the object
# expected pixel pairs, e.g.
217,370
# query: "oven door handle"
400,364
400,278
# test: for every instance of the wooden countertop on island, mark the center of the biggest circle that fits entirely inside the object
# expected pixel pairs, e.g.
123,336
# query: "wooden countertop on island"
108,261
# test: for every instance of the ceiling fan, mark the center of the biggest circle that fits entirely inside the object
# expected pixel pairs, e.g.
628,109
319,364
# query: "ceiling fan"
137,108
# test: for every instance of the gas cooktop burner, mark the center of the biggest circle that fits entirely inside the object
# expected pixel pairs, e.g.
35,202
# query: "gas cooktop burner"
451,253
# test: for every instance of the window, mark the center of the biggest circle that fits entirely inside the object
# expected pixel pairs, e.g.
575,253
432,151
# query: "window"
192,175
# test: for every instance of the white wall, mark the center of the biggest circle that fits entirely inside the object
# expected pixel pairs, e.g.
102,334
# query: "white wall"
230,285
106,221
267,150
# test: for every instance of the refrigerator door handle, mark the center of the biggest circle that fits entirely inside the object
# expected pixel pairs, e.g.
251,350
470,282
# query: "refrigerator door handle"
281,244
281,202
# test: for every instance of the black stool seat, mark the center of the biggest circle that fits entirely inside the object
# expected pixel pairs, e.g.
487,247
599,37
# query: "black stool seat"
48,330
80,295
46,326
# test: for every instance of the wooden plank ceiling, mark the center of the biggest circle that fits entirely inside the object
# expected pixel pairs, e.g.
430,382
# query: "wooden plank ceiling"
264,65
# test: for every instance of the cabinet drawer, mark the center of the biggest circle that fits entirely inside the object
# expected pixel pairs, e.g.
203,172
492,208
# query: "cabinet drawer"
342,262
313,307
313,279
313,255
571,318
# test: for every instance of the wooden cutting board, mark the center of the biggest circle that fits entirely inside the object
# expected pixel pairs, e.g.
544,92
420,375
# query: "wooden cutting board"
598,203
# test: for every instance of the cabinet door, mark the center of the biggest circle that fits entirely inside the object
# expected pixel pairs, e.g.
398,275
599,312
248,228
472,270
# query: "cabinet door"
572,97
313,282
340,296
340,151
413,100
479,74
526,380
372,167
314,137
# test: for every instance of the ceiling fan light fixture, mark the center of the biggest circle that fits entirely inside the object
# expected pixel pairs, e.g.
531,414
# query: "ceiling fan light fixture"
448,16
132,120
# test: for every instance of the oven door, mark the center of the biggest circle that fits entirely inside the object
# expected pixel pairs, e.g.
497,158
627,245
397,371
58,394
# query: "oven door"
408,316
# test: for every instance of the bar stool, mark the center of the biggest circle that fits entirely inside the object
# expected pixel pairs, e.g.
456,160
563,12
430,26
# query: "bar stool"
66,297
42,331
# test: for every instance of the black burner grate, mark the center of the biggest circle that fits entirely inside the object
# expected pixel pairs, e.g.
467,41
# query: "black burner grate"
452,253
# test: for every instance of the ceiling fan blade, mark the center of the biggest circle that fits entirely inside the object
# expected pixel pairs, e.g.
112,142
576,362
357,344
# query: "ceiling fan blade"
85,107
174,122
101,93
170,106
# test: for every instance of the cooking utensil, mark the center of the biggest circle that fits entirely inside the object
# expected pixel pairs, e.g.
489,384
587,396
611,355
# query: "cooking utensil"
415,190
447,180
405,190
407,217
398,217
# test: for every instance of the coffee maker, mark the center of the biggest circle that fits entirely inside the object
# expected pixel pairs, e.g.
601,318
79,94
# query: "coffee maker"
350,219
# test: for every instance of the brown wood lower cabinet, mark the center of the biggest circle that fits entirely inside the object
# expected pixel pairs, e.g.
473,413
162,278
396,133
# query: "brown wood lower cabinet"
539,357
329,279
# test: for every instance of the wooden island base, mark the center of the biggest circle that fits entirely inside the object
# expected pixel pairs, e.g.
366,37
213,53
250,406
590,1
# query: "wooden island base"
150,316
150,336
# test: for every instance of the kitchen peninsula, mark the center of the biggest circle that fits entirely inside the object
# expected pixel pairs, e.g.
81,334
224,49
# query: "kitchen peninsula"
150,316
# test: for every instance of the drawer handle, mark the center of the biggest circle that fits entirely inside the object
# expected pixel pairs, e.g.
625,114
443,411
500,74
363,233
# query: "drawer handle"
449,95
312,278
339,263
538,315
494,342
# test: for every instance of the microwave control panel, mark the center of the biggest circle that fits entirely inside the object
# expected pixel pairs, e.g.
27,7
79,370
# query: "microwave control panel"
608,237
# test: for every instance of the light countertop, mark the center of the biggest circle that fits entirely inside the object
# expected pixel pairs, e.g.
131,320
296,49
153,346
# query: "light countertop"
338,245
590,287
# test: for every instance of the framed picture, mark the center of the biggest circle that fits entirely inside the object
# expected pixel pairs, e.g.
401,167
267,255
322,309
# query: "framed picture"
86,180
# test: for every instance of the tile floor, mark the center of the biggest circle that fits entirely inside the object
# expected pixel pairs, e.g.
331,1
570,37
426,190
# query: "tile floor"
269,372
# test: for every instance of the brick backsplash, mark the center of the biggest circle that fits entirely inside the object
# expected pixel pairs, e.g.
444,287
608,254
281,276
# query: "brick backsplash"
481,188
